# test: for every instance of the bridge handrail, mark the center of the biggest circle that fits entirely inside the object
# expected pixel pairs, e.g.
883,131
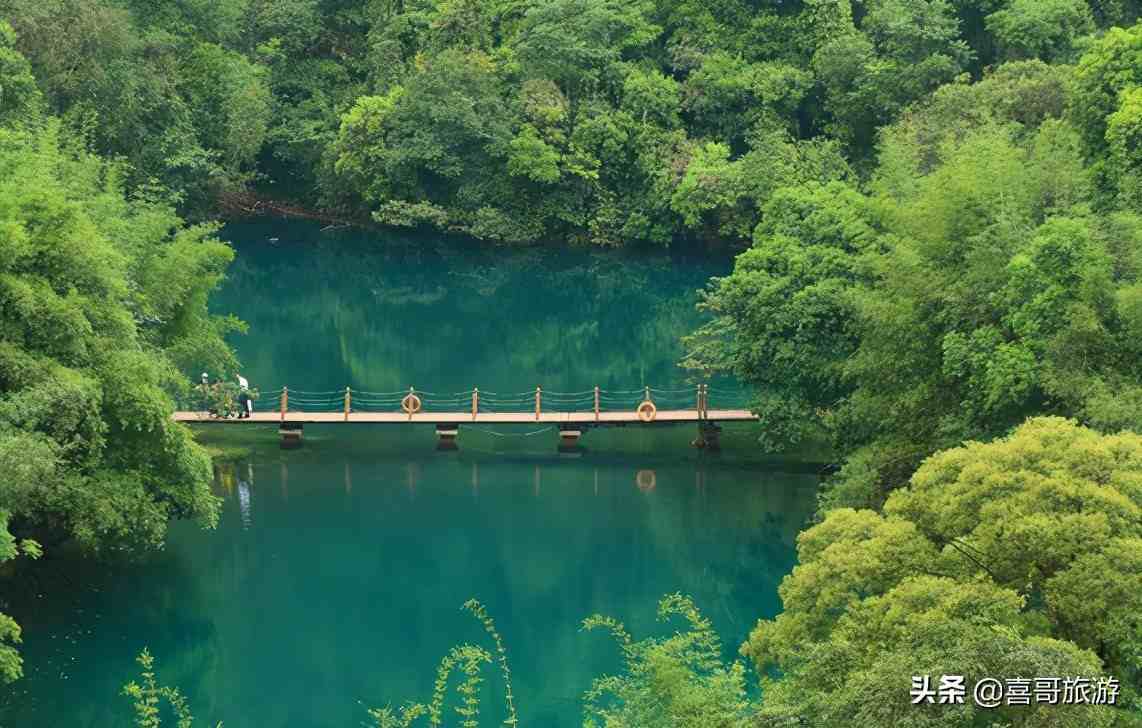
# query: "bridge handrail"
698,397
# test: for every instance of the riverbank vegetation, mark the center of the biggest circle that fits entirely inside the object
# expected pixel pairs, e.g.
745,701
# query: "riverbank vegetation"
989,272
102,307
985,271
585,120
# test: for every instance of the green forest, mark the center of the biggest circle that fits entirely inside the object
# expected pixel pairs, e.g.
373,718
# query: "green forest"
936,208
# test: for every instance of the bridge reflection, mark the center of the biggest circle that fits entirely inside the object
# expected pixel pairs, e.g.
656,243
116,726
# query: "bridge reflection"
232,479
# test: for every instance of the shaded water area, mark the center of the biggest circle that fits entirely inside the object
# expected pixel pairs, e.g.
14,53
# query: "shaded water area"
335,578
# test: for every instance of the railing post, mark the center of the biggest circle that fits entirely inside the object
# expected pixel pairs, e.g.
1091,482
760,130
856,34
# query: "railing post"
698,400
475,401
646,394
348,402
705,401
538,400
596,403
285,401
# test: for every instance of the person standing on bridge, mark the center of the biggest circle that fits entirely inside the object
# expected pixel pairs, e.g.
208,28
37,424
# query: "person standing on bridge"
245,402
204,387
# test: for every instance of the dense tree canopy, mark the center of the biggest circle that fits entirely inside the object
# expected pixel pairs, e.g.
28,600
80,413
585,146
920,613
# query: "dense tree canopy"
151,84
1015,558
982,276
586,120
985,270
102,311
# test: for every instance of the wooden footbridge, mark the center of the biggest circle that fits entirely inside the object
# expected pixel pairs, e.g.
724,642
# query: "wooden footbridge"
570,412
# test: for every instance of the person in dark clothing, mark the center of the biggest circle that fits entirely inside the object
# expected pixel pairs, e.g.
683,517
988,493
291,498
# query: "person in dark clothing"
245,402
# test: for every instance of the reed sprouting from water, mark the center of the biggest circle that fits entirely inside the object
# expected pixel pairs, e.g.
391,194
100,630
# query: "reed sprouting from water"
680,681
469,659
478,611
149,697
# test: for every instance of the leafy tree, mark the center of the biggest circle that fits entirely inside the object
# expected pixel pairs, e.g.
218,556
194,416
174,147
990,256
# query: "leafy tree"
976,569
230,104
103,297
987,291
118,76
901,52
579,43
652,97
784,320
19,96
995,302
726,96
83,369
532,157
728,195
711,181
1124,158
1104,80
254,94
289,27
1044,29
11,666
71,44
386,141
925,625
1043,512
1018,96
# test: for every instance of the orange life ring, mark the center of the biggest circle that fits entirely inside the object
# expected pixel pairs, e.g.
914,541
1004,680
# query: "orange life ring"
645,480
647,411
410,403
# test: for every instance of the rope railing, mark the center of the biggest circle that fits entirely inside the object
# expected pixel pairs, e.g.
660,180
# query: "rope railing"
700,397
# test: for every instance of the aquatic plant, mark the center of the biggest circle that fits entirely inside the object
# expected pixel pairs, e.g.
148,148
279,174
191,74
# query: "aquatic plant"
679,681
470,660
149,696
479,612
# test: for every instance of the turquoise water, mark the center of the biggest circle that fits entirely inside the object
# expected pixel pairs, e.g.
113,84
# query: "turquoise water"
335,578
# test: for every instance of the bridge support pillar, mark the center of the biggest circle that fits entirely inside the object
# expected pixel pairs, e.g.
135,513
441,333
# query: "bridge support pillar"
708,436
291,435
569,439
446,436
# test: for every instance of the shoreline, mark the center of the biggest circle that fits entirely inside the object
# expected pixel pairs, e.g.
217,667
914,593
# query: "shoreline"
251,205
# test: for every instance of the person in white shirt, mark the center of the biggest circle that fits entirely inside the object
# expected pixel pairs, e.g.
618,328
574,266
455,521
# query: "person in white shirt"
245,403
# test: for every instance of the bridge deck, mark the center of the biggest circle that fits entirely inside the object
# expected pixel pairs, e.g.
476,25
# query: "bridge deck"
449,418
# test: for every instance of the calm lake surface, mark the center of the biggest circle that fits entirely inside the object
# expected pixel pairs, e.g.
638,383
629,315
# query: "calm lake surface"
335,578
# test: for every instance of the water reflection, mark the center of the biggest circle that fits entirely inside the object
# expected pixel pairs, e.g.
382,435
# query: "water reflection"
335,580
327,310
236,480
80,644
646,480
244,497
